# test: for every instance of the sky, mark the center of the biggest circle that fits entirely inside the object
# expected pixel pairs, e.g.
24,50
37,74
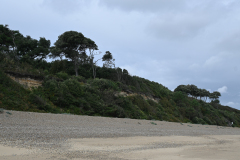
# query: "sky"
172,42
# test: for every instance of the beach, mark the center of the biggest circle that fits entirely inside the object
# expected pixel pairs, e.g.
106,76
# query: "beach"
40,136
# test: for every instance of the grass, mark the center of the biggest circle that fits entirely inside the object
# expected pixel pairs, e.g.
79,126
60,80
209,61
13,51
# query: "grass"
153,123
9,113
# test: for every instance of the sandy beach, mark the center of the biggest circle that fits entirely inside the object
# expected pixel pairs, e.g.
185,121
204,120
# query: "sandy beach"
40,136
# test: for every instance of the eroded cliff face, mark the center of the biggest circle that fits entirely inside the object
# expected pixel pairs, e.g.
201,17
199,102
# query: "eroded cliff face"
125,94
26,82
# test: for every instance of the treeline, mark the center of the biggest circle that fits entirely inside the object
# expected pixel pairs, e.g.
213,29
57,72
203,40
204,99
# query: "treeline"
75,51
196,92
71,45
75,84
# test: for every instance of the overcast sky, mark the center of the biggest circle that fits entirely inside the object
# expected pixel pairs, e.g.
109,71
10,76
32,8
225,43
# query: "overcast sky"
171,42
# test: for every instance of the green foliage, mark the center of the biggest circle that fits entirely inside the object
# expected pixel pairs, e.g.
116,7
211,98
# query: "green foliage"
73,45
104,84
179,96
62,92
14,97
153,123
198,120
62,75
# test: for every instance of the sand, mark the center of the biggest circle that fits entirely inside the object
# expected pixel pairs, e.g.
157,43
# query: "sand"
40,136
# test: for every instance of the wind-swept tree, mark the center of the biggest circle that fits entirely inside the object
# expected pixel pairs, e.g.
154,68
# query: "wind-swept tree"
184,89
29,49
18,47
215,95
8,42
108,60
56,52
72,44
205,93
194,91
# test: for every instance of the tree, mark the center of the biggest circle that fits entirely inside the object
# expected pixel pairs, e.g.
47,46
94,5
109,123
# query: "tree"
119,74
108,60
215,95
56,52
193,90
91,48
183,88
205,94
8,39
72,44
29,49
18,47
5,39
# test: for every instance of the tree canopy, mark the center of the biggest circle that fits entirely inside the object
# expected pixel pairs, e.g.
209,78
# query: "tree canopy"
15,45
194,91
73,45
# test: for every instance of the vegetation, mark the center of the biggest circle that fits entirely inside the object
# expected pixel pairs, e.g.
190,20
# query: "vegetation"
76,85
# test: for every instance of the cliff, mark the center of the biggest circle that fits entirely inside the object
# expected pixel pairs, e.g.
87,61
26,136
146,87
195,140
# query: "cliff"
26,80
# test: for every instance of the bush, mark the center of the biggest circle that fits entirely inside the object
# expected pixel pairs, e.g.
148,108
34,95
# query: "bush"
104,84
198,120
62,75
179,96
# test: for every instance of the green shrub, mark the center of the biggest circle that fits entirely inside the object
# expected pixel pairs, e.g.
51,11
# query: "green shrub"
179,96
62,75
104,84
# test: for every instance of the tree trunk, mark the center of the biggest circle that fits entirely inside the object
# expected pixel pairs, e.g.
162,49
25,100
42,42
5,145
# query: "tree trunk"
76,67
94,72
119,75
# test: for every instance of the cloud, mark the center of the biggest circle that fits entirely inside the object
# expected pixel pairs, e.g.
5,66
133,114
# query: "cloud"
177,26
213,61
143,5
223,89
230,42
230,104
65,7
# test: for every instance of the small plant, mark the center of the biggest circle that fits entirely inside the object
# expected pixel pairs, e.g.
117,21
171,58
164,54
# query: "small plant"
9,113
153,123
189,126
1,110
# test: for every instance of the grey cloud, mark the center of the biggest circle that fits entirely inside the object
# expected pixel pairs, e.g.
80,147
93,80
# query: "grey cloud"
223,89
154,6
231,43
143,5
177,26
65,6
171,42
194,19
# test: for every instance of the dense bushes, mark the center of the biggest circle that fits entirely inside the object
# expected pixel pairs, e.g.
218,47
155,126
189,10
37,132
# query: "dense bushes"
62,92
14,97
